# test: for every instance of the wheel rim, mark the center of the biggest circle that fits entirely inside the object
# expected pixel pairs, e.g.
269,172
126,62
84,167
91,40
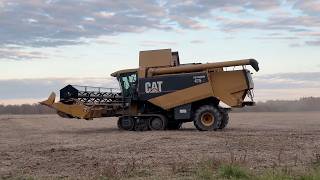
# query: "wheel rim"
156,124
207,119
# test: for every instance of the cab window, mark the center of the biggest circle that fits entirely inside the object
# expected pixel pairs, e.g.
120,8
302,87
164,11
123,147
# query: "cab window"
128,83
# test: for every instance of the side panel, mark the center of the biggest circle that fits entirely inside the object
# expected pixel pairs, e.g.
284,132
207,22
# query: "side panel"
157,86
230,86
182,112
183,96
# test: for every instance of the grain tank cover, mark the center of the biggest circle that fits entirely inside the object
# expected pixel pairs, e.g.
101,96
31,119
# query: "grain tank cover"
158,58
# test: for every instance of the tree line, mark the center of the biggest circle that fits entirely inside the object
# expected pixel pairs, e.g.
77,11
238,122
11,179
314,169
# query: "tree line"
26,109
303,104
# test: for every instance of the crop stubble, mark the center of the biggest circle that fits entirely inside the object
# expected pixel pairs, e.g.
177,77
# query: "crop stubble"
49,146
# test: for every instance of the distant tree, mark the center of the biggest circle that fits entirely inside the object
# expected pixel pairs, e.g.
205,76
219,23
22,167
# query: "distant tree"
26,109
303,104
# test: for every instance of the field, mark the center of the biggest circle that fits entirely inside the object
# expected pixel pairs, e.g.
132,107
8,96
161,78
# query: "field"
46,146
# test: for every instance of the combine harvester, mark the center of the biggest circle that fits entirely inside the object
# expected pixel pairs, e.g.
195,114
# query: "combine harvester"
162,94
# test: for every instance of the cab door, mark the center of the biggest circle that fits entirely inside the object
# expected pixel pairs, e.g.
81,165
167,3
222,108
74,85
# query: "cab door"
128,83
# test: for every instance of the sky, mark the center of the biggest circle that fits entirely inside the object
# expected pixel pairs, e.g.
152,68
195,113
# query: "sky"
47,44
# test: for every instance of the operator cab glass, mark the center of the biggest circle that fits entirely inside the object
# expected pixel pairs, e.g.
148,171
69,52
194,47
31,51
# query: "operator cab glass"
128,83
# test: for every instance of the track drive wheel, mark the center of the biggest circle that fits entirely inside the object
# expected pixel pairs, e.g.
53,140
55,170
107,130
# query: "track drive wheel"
207,118
157,123
174,125
225,118
126,123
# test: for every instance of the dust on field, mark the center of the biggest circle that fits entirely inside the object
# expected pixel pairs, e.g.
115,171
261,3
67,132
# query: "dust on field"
47,146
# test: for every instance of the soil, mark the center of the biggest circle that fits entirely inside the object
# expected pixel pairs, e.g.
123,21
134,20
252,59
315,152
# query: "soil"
47,146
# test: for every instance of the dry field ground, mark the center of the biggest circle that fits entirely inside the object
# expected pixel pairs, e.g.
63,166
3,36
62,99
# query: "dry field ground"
46,146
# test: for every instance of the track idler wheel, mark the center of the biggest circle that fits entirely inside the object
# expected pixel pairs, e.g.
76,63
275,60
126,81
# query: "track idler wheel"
126,123
141,124
157,123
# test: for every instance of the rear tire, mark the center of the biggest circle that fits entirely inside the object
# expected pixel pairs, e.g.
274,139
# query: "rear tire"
126,123
225,119
207,118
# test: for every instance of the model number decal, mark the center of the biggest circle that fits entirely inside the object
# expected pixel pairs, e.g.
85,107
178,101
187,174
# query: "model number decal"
153,87
198,79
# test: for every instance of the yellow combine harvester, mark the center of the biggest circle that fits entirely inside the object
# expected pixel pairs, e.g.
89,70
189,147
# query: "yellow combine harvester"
163,94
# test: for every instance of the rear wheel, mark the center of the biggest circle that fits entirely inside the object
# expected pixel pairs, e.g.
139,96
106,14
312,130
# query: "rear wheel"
126,123
207,118
225,118
157,123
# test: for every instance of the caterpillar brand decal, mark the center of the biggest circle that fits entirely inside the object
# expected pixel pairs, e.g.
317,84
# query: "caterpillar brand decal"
153,87
157,86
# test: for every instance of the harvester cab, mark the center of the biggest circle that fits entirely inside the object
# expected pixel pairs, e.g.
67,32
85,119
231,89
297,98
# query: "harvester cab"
128,83
162,94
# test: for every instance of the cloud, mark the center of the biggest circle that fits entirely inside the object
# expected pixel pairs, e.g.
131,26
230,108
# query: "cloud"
287,86
197,41
287,23
17,53
309,7
187,23
313,43
15,89
295,45
51,23
21,101
288,81
310,34
54,23
277,37
158,43
104,41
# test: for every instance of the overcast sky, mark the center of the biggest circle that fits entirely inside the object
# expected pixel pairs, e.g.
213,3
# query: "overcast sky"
46,44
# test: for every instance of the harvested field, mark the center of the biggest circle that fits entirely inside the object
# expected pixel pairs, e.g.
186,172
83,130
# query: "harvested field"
46,146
